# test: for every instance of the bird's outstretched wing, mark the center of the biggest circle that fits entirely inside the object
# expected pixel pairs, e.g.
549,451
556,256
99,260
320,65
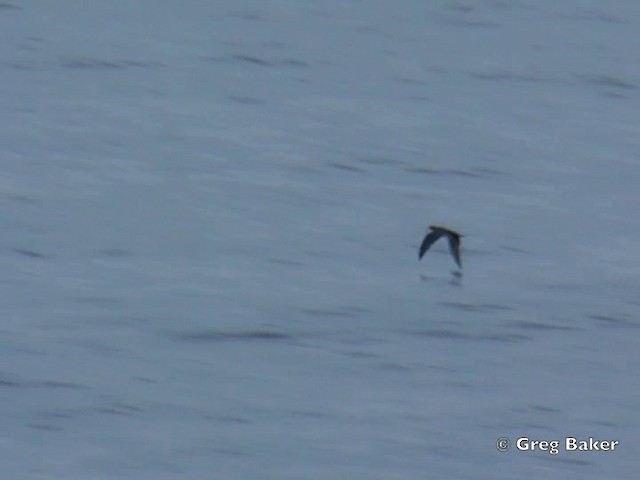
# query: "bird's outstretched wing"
454,246
428,241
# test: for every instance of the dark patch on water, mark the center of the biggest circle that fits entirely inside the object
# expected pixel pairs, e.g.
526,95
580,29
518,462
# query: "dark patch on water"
23,67
501,76
441,171
465,15
391,367
477,307
529,325
477,337
56,414
245,100
566,460
247,16
291,62
31,253
286,262
95,300
614,95
251,60
455,280
606,81
44,427
514,249
410,81
258,61
119,409
226,336
567,287
233,452
545,409
57,385
9,6
24,199
152,381
308,414
593,17
487,171
610,321
346,167
346,312
476,172
604,423
443,369
114,252
464,23
530,426
228,419
9,383
361,354
459,7
96,63
380,161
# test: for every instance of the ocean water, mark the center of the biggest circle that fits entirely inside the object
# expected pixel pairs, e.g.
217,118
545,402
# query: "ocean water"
211,214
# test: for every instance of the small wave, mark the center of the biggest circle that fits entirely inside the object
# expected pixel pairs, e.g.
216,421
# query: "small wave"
226,336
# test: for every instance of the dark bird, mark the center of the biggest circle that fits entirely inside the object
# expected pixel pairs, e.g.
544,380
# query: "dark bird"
437,232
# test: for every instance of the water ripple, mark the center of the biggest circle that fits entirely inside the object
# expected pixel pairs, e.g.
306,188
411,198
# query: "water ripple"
611,321
227,336
477,307
477,337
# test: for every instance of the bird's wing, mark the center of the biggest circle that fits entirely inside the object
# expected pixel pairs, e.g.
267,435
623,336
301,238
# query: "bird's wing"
428,241
454,246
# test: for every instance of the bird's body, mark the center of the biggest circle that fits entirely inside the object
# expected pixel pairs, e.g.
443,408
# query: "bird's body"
437,232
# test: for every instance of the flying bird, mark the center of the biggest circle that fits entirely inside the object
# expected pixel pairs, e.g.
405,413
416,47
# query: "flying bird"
437,232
